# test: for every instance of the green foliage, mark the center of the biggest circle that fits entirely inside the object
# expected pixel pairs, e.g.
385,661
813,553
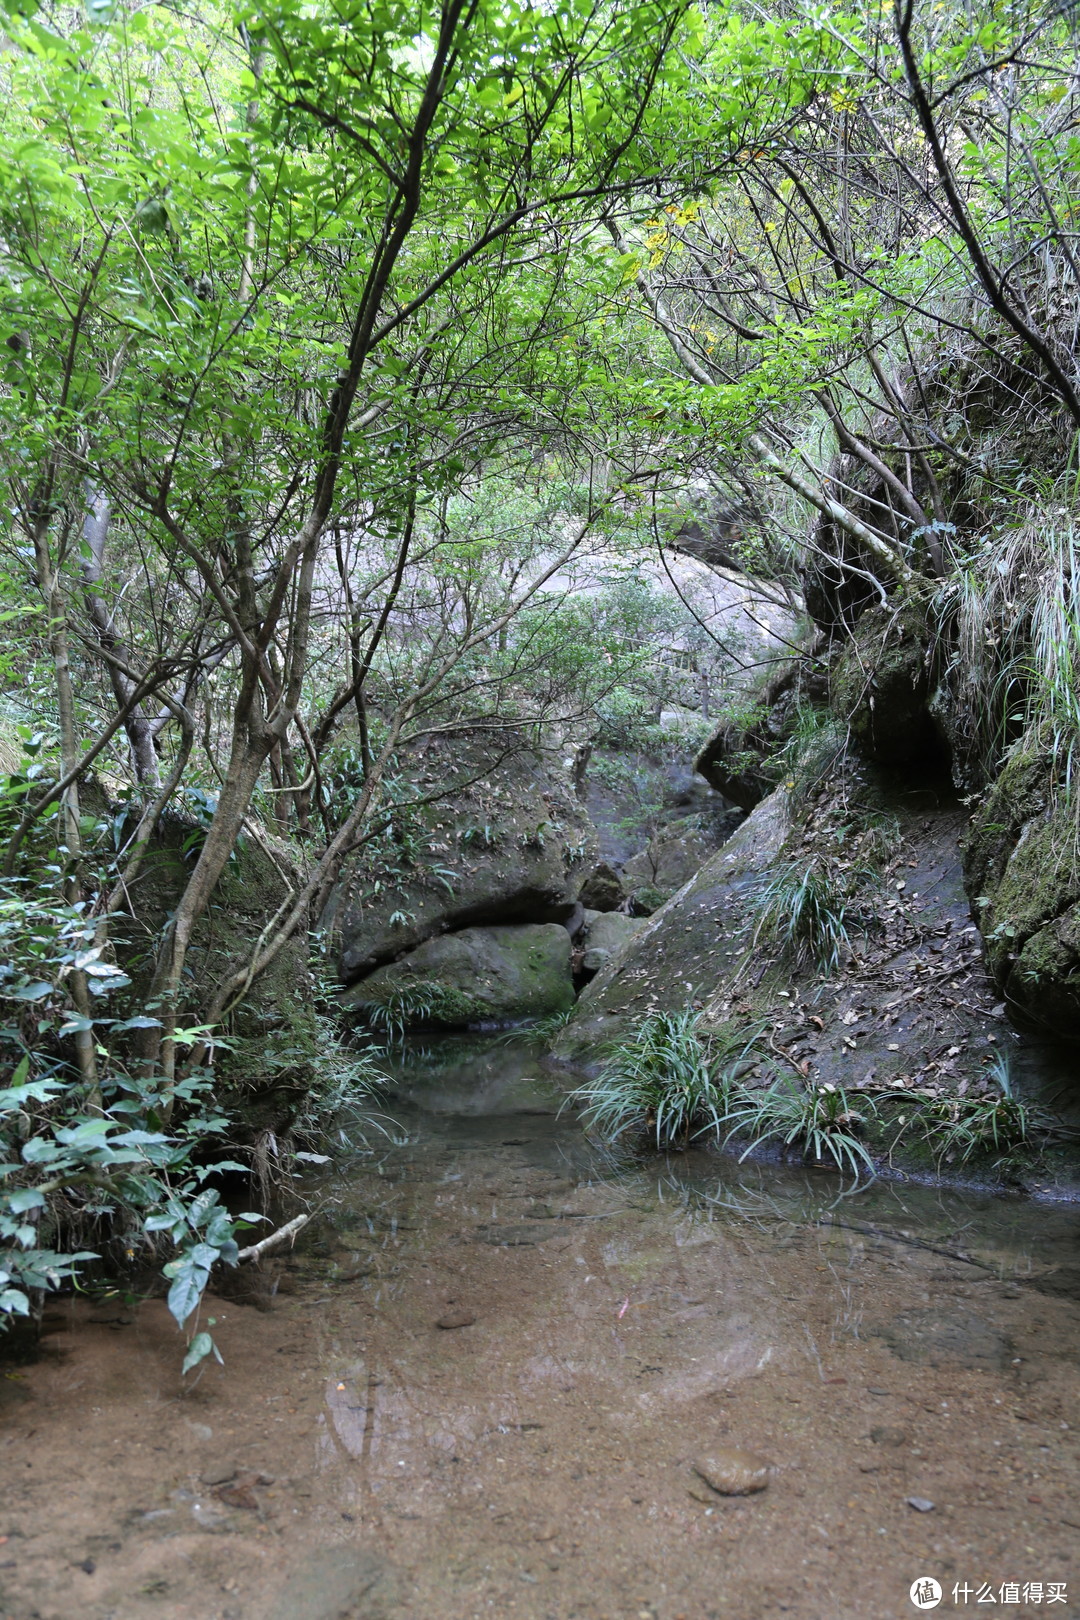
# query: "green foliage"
347,1077
124,1164
673,1081
959,1129
808,906
668,1081
400,1010
814,751
820,1122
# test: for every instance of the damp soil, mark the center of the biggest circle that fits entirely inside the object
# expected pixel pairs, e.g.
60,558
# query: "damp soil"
604,1327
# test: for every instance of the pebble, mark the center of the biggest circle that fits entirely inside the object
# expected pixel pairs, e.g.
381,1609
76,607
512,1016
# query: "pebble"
921,1504
456,1319
733,1472
886,1435
218,1473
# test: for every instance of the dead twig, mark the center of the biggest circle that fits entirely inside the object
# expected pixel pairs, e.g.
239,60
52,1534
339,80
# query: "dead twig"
255,1251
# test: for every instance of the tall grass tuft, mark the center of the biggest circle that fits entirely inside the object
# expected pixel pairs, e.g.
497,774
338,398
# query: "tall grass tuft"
1014,609
820,1122
814,751
961,1128
665,1082
807,907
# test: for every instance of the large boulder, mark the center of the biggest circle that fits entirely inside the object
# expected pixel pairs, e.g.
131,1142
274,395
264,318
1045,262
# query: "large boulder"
683,953
503,841
603,889
668,861
1022,875
604,935
476,976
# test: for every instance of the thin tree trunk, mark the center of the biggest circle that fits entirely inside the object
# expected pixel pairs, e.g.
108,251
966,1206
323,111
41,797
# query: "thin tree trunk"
140,732
56,608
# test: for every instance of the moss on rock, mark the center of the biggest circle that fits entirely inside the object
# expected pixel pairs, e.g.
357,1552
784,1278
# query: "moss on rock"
272,1038
880,685
476,976
1022,875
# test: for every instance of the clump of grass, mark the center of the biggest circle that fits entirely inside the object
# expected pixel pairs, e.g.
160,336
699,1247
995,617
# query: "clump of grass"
1013,610
541,1029
807,908
958,1129
667,1081
813,751
346,1077
820,1123
414,1004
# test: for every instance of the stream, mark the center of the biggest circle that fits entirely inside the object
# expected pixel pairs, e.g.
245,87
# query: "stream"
480,1384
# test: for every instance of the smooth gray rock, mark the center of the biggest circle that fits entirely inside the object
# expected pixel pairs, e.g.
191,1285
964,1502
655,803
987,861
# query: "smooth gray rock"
480,975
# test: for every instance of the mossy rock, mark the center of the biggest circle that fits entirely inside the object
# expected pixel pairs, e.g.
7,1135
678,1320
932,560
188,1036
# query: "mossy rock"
476,976
741,758
880,685
1022,875
504,841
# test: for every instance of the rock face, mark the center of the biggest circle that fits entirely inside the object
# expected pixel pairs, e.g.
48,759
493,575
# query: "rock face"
604,935
880,686
506,842
1022,875
682,952
603,889
476,976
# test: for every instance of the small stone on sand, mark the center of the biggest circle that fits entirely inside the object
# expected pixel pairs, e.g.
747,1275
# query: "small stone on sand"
733,1472
456,1319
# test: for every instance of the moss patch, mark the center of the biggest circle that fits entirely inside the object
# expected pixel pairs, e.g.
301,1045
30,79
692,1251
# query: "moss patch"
1022,873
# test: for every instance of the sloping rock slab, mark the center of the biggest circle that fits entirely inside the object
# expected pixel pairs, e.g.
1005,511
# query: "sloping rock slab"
687,947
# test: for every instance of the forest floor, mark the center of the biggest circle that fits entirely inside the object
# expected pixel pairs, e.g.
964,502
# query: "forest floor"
906,1361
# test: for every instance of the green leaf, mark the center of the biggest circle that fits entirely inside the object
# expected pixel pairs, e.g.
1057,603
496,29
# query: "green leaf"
25,1198
202,1345
189,1282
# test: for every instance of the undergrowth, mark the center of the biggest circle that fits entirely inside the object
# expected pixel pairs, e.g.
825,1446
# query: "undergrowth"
1011,614
819,1121
666,1081
673,1082
809,906
412,1004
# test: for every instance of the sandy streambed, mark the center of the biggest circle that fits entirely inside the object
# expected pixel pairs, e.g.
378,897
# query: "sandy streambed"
353,1460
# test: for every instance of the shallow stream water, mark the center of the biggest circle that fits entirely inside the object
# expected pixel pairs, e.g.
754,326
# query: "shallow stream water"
907,1360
